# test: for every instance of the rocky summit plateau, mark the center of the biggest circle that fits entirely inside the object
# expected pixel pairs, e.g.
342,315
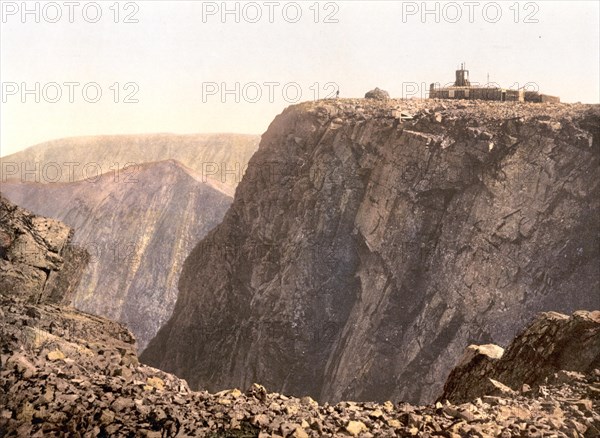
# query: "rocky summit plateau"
371,241
68,373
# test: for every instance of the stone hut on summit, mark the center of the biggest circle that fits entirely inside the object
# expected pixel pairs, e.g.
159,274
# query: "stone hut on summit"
462,89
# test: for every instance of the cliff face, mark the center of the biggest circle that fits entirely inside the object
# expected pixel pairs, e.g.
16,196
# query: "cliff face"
38,263
218,158
365,250
137,233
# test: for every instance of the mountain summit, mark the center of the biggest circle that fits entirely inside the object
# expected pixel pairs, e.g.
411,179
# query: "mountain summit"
371,241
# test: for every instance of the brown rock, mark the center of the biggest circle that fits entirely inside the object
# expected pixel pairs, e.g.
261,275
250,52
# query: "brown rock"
154,383
354,428
259,420
55,355
107,417
22,365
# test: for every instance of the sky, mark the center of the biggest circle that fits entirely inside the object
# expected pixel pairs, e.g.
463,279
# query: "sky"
94,68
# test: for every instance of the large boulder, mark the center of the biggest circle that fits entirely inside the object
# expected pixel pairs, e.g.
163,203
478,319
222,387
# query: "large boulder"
552,343
377,94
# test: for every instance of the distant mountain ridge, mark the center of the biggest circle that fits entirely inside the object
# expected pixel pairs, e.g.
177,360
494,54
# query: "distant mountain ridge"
219,159
137,233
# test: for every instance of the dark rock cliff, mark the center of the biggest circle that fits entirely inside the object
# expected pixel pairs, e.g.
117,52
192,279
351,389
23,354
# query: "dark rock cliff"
364,250
38,263
138,233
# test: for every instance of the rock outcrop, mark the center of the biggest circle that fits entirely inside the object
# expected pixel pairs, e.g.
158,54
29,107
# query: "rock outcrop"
138,234
38,263
554,343
220,159
363,252
377,94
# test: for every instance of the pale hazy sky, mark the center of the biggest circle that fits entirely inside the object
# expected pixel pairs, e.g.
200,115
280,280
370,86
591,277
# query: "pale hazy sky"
176,50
